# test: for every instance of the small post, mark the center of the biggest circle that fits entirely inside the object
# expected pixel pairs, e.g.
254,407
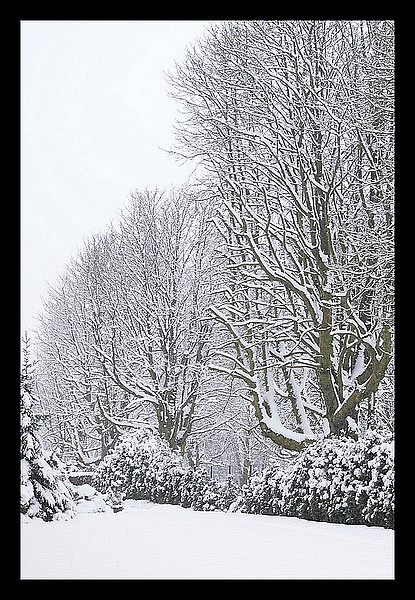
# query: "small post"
229,470
211,471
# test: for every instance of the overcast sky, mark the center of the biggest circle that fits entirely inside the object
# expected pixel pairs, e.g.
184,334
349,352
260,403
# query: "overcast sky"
94,114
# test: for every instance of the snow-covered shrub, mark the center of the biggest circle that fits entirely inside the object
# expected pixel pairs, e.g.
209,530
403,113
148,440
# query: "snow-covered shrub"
143,467
128,468
334,480
162,481
262,494
379,508
343,481
321,484
229,492
198,491
88,499
45,490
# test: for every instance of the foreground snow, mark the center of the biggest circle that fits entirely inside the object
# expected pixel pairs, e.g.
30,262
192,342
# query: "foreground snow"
150,541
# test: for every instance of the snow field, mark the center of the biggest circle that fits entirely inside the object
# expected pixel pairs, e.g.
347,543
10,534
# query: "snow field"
153,541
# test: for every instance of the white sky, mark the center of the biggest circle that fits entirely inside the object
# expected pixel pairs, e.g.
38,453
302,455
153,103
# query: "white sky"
94,114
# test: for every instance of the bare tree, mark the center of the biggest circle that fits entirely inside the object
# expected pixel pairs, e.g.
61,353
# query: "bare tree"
79,397
298,145
123,338
163,285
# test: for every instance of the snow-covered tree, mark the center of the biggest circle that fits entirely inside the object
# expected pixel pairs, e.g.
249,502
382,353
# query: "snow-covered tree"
45,491
80,399
155,349
297,141
124,335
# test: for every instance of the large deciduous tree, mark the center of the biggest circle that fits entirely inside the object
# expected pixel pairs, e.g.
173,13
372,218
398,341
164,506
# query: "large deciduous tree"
293,123
163,285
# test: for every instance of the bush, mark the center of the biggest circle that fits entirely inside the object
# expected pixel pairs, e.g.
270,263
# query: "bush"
143,467
229,493
262,494
198,491
88,500
334,480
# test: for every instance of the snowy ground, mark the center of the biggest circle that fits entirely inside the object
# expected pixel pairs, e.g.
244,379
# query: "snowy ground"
150,541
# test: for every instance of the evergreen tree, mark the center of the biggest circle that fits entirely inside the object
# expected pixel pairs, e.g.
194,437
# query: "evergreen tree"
44,491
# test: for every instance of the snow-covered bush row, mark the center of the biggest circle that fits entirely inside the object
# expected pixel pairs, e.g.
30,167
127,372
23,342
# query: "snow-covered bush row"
334,480
143,467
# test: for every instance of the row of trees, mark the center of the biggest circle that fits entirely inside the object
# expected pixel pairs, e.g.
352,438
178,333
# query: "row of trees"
126,339
251,312
293,121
